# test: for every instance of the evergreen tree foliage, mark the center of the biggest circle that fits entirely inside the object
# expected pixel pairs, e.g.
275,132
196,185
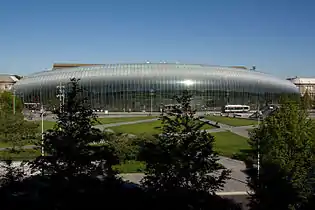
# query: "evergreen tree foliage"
73,147
285,142
182,156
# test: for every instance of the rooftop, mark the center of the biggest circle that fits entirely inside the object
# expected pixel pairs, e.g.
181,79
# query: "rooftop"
302,80
72,65
8,78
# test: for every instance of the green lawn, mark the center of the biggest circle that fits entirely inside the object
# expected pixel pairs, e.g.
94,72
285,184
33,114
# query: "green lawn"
231,121
108,120
47,125
228,144
4,144
50,124
147,128
130,167
25,155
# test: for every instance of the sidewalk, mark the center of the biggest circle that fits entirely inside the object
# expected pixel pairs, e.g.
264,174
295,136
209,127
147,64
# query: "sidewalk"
236,185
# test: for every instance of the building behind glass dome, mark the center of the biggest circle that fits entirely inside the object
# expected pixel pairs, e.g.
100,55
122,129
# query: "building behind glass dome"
140,87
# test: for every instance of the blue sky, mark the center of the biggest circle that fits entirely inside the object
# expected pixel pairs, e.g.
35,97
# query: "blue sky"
278,36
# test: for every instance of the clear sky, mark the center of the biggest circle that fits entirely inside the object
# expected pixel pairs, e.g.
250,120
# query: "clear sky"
278,36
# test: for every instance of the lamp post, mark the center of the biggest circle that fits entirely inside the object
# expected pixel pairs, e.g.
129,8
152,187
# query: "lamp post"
227,97
61,96
258,121
13,101
258,141
42,118
151,100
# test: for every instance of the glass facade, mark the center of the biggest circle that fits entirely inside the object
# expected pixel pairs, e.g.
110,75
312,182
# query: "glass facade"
142,87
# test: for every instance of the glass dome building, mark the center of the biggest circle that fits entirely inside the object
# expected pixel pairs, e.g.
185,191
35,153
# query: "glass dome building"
139,87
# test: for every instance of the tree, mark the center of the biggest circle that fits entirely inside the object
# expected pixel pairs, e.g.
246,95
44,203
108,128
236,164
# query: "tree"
182,157
8,101
285,142
14,130
78,174
307,100
77,166
73,147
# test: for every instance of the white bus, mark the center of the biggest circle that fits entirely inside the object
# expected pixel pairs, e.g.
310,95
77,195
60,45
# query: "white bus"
235,109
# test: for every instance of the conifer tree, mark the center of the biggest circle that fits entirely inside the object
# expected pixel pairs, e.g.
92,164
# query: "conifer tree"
183,155
73,147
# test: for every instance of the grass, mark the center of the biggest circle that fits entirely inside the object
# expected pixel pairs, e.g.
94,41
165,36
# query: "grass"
232,121
147,128
131,166
7,144
228,144
4,144
25,155
50,124
47,125
108,120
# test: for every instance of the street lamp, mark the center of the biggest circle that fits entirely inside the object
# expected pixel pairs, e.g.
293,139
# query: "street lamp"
227,97
42,118
151,100
258,141
61,95
13,101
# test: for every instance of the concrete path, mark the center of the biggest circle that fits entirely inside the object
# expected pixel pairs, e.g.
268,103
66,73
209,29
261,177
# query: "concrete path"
24,147
101,127
239,130
52,117
237,183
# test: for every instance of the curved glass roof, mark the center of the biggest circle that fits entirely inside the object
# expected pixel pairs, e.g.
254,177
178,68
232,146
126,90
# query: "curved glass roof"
156,71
